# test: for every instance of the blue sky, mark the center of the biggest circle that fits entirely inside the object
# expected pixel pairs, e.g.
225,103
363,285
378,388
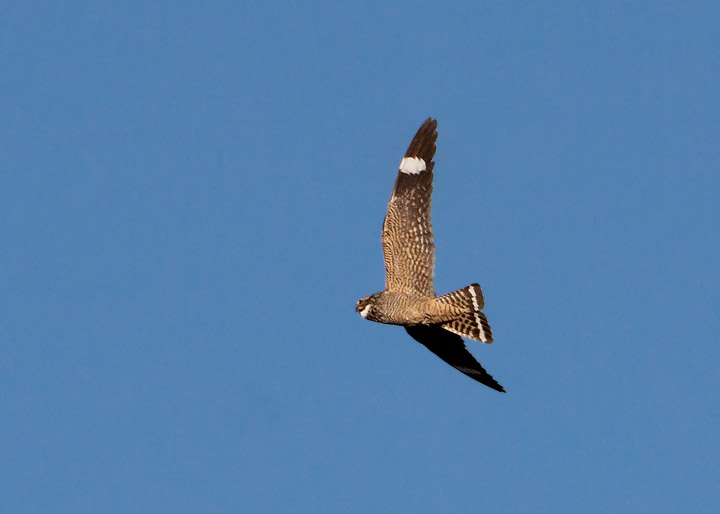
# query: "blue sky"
190,205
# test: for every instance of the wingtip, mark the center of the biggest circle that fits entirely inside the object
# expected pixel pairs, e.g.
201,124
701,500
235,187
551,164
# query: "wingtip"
492,383
497,387
423,144
429,125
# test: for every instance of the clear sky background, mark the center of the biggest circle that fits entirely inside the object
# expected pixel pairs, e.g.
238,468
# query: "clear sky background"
191,196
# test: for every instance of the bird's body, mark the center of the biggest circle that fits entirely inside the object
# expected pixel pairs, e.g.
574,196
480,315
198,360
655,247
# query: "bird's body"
397,308
409,297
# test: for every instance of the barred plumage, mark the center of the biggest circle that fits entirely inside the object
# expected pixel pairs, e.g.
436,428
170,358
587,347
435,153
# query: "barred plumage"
472,322
409,249
473,325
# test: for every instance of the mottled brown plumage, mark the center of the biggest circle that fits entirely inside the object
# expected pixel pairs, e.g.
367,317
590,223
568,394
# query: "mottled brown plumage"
407,236
409,298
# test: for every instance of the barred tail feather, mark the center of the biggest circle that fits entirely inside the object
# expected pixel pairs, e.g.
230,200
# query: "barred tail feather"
472,323
473,326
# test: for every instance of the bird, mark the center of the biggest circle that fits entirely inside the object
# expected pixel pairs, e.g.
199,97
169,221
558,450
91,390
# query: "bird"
409,300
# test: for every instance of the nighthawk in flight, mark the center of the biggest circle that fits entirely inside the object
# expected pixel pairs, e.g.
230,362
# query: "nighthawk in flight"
409,298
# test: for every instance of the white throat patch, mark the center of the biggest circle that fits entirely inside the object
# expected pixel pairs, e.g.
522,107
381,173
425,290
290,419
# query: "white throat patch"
365,311
412,165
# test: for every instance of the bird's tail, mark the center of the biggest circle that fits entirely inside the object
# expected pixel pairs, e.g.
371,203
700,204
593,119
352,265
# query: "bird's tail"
472,323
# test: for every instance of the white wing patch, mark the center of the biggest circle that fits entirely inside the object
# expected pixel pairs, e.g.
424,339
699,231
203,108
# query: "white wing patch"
412,165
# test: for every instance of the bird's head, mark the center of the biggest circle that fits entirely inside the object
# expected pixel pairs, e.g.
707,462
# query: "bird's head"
368,308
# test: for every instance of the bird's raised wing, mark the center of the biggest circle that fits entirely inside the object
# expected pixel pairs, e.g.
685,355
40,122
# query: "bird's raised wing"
407,236
451,348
